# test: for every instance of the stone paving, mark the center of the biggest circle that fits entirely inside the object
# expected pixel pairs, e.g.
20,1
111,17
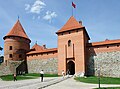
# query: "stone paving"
49,83
73,84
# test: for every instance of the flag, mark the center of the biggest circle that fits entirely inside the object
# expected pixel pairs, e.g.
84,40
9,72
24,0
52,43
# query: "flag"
73,4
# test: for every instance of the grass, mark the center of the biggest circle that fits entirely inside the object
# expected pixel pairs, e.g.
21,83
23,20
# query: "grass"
38,75
103,80
10,77
26,76
109,88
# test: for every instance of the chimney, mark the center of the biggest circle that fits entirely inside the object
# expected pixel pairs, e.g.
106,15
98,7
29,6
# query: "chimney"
44,46
80,23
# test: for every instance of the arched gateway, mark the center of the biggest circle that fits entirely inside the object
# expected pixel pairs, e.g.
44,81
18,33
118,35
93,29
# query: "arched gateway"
71,67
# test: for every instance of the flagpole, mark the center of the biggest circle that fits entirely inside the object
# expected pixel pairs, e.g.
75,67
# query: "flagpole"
72,7
72,11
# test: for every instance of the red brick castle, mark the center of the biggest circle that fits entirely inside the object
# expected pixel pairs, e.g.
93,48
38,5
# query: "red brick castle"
74,53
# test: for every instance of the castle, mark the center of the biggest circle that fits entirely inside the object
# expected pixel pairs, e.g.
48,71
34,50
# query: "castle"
74,53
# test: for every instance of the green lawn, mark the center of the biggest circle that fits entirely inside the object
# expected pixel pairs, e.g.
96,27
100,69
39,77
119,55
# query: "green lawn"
38,75
26,76
103,80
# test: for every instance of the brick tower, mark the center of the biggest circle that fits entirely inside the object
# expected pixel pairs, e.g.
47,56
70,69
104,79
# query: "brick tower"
72,41
16,44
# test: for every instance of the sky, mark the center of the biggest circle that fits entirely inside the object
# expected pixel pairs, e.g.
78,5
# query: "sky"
41,19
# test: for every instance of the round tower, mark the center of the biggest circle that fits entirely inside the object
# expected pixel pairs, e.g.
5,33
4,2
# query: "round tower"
16,44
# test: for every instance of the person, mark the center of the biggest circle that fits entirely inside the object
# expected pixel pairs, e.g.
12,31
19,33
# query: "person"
14,76
63,74
68,72
41,74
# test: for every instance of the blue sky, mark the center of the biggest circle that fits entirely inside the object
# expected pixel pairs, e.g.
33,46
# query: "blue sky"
42,18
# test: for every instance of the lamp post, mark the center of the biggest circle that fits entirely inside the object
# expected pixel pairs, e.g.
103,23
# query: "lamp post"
99,77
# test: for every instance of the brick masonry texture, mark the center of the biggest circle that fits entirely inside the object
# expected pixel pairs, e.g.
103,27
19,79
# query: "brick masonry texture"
107,62
48,65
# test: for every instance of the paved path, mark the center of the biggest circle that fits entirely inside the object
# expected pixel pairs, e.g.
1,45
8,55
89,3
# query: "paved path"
49,83
30,83
73,84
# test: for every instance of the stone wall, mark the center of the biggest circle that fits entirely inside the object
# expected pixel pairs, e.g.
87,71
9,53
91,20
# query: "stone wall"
48,65
4,70
107,62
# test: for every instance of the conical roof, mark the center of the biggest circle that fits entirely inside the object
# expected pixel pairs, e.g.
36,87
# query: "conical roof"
72,23
17,30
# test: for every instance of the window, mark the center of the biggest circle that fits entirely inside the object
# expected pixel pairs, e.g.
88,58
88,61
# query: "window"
69,32
10,48
10,55
69,43
20,56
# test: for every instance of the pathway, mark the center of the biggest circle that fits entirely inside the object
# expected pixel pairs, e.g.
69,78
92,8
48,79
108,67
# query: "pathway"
49,83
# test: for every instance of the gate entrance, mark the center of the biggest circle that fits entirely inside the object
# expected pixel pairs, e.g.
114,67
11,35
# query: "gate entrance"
71,67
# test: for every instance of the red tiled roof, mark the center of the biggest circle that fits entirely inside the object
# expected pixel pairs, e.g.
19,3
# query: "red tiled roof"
17,30
43,51
38,47
106,42
72,23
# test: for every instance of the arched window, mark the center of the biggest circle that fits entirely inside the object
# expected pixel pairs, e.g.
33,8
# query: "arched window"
69,43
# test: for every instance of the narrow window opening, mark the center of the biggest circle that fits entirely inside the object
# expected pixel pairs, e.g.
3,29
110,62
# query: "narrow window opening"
69,43
10,48
69,32
20,56
10,55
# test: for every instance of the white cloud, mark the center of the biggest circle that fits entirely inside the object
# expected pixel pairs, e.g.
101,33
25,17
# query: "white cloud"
27,6
37,6
49,15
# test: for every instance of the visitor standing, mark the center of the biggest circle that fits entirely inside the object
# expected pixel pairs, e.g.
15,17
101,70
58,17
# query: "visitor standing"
68,73
41,74
14,76
63,74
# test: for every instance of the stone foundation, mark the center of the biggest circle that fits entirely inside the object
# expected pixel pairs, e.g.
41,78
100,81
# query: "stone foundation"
107,62
49,66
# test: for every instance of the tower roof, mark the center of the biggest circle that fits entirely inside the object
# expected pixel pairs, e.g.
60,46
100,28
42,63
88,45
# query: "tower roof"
72,23
17,30
37,47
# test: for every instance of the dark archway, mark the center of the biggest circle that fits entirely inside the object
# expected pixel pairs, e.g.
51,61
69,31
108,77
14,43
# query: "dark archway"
71,67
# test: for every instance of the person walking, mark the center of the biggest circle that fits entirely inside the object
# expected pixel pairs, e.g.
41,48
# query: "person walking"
63,74
14,76
41,74
68,73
